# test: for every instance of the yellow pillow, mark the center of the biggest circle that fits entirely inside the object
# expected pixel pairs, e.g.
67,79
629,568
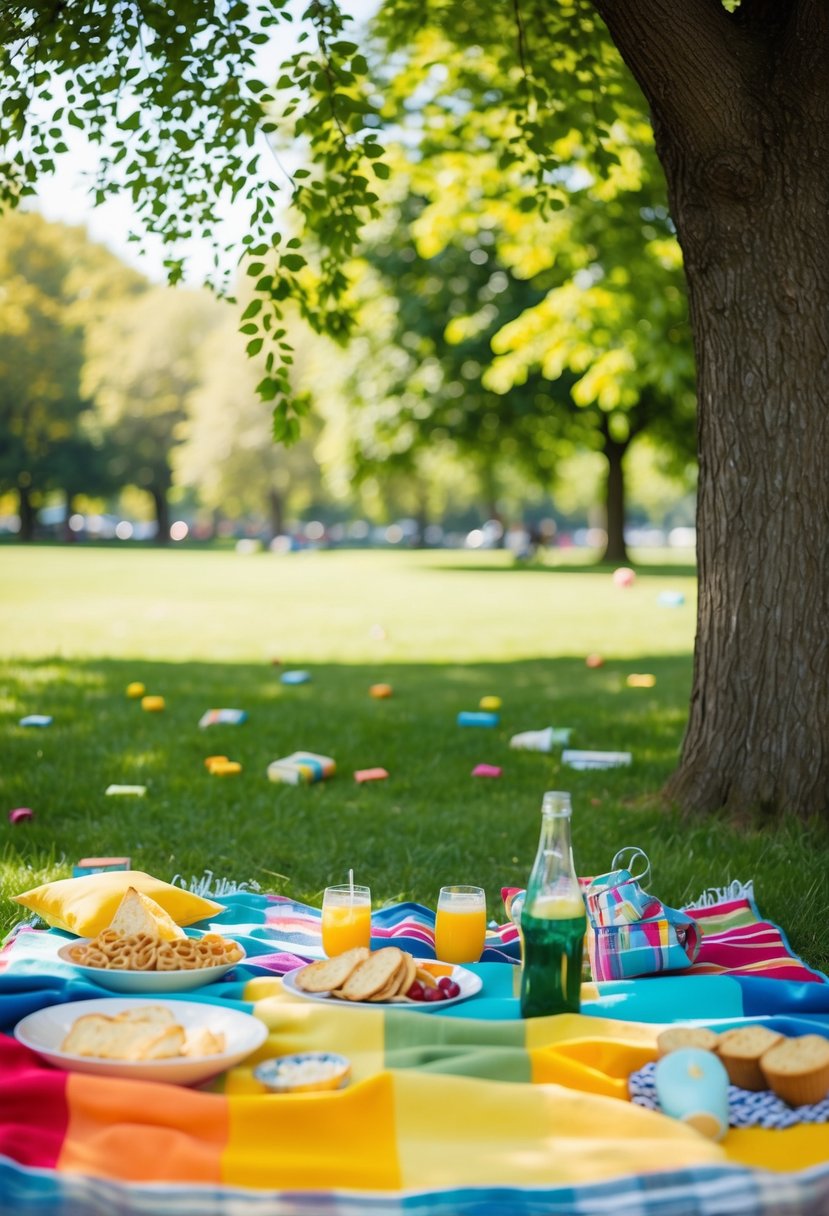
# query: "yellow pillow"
87,905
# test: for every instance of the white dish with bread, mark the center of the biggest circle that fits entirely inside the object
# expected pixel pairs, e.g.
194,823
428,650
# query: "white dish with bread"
388,977
178,1042
143,950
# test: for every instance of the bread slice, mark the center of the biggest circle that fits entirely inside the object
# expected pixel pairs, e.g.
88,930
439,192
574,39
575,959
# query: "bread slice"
373,975
106,1038
740,1051
204,1042
137,913
798,1069
331,973
677,1037
159,1015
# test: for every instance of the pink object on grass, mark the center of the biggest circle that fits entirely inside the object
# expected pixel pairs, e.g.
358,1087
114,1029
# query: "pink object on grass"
20,814
370,774
487,770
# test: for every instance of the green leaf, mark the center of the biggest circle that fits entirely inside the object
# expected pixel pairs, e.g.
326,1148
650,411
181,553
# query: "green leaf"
252,309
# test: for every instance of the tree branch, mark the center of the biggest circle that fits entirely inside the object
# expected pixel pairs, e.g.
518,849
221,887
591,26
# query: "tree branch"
689,58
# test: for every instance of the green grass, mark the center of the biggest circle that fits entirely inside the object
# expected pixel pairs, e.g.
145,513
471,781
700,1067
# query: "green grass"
201,628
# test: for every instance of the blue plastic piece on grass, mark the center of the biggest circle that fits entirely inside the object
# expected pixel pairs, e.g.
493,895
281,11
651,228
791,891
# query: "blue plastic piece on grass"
36,720
477,718
295,677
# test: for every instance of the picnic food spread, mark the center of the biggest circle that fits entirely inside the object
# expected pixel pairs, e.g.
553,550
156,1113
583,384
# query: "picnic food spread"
148,1032
429,1107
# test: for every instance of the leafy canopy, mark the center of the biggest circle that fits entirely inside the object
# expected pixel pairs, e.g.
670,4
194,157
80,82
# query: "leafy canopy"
189,101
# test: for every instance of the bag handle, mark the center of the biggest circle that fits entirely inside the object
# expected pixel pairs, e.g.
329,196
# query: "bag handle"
626,859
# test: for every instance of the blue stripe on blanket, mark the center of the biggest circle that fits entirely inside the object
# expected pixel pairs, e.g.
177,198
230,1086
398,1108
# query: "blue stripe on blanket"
701,1192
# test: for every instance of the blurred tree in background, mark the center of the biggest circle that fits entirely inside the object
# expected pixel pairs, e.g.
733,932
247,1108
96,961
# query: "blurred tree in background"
54,285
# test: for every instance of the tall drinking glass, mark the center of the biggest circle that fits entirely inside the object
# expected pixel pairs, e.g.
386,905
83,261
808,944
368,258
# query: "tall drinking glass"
460,925
346,918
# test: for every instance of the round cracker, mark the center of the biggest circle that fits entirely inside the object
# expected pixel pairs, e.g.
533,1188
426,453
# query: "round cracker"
373,975
331,973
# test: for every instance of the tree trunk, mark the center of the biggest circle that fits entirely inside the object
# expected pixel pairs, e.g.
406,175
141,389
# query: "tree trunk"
162,515
276,513
27,514
745,144
615,548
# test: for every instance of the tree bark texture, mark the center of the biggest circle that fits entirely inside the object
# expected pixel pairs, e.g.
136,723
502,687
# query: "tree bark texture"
162,515
615,548
276,513
749,193
27,514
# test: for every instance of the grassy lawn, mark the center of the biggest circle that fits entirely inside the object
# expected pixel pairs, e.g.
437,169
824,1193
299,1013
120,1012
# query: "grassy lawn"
444,629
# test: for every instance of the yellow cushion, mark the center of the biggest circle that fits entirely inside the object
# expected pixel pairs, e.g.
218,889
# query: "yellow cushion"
87,905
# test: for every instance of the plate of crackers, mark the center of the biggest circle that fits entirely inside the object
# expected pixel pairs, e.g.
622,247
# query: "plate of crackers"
141,962
179,1042
388,977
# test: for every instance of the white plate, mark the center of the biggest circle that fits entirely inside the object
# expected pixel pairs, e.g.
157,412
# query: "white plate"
145,981
45,1030
468,982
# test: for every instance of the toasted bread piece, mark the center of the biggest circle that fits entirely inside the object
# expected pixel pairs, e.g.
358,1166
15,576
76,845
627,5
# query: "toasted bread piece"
372,975
331,973
169,1042
676,1037
160,1015
203,1042
798,1069
740,1051
108,1039
137,913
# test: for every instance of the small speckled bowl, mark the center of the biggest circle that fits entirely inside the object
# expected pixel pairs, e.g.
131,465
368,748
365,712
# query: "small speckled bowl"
304,1073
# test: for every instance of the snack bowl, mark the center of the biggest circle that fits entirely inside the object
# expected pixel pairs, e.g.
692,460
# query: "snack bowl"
303,1073
45,1030
138,982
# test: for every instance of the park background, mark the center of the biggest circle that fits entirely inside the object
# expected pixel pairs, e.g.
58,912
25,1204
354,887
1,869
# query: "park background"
397,539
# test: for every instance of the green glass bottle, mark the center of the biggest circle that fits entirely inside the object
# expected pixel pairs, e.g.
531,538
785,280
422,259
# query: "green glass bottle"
553,920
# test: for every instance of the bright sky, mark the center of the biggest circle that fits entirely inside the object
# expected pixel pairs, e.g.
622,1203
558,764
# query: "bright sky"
64,196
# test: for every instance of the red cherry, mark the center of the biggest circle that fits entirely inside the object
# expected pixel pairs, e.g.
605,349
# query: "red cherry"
416,991
434,994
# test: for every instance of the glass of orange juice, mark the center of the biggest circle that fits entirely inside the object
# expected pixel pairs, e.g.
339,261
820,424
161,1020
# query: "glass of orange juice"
346,918
460,926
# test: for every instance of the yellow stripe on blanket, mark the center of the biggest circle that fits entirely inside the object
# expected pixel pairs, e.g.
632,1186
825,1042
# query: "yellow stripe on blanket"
454,1131
298,1025
318,1141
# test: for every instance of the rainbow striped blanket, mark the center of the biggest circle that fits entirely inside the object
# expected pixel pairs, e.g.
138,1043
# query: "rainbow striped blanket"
470,1111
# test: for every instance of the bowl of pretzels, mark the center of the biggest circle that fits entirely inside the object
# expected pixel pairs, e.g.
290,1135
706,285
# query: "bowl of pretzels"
138,962
144,951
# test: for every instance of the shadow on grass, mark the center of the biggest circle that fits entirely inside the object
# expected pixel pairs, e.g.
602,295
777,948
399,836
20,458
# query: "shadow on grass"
485,566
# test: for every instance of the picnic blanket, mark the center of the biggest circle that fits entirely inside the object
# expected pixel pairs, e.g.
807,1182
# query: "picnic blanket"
470,1110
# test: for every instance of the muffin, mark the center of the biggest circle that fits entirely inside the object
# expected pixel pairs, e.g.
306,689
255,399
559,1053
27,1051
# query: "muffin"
798,1069
677,1037
740,1051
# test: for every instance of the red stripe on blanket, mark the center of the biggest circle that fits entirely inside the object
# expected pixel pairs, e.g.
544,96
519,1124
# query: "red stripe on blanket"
34,1112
